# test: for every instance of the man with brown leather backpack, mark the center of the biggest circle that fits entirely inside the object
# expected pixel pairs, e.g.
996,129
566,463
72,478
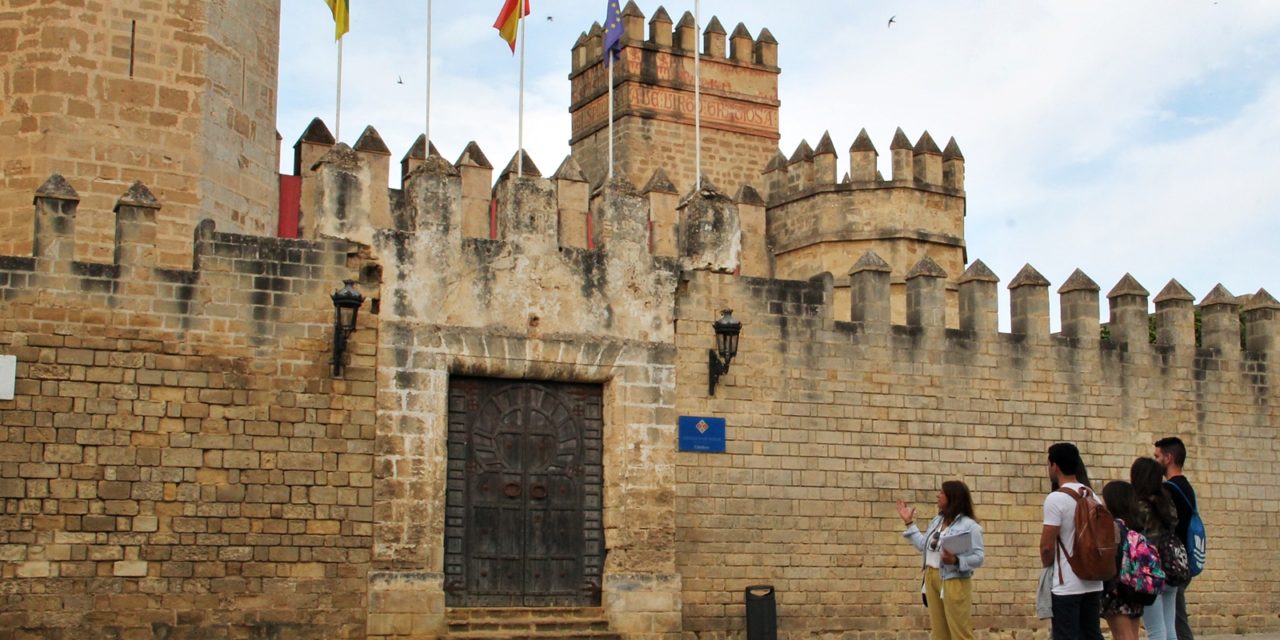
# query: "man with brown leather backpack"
1078,540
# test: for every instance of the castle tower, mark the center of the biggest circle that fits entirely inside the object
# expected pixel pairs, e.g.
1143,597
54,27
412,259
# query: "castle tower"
180,96
654,102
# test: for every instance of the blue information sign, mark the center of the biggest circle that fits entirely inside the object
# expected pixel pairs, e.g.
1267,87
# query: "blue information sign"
702,434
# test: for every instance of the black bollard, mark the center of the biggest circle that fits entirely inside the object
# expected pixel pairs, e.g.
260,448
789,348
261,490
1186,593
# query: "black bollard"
762,613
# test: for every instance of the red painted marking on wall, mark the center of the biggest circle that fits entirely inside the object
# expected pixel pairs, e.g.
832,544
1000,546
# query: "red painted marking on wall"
290,206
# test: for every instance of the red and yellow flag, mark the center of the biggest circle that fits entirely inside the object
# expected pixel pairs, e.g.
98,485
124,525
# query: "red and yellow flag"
341,17
508,21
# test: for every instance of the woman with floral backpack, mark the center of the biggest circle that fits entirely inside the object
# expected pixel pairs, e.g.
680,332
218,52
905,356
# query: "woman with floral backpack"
1156,518
1120,611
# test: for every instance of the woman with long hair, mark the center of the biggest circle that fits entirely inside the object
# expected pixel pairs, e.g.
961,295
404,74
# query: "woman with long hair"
952,549
1155,517
1121,615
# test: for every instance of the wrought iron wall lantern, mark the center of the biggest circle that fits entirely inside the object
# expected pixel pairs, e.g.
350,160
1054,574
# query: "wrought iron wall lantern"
346,306
718,359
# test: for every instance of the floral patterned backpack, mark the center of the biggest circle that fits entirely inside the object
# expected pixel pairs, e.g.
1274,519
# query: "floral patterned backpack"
1141,577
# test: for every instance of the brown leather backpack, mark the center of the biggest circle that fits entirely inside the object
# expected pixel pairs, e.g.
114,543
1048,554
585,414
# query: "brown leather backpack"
1095,539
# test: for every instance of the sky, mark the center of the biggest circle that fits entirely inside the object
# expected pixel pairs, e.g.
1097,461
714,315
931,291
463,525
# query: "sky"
1136,137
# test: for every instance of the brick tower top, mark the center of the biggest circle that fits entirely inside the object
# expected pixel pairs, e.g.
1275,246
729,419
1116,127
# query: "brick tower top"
178,95
654,101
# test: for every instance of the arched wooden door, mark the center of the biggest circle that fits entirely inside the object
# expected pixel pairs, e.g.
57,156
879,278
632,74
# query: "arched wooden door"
523,504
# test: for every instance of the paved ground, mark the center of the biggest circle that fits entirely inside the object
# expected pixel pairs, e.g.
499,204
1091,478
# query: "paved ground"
1274,635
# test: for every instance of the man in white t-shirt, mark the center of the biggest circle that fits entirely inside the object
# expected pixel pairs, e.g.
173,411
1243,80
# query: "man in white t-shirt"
1075,602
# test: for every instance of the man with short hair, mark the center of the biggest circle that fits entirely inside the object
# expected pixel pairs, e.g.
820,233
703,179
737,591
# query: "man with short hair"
1076,602
1172,454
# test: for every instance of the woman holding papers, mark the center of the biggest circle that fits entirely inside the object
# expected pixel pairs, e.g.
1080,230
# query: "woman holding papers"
952,548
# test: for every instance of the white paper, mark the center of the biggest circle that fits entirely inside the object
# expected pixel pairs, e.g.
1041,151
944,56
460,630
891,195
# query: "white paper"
958,543
8,373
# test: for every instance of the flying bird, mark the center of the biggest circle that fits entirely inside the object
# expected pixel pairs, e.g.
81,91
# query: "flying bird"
550,18
891,21
399,80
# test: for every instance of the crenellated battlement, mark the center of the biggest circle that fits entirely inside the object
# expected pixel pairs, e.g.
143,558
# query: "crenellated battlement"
812,170
680,36
654,98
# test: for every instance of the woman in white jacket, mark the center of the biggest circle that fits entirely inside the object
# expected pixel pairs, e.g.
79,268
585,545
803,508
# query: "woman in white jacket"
952,548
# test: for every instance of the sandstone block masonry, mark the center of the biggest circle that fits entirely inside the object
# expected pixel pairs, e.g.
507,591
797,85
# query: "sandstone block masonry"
180,96
178,459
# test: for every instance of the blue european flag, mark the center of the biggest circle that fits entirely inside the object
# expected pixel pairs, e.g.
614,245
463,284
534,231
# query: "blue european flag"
612,32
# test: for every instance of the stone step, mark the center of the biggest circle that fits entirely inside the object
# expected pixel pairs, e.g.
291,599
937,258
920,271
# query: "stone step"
534,623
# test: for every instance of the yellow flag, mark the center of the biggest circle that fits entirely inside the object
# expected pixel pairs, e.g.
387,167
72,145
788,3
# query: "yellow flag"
341,17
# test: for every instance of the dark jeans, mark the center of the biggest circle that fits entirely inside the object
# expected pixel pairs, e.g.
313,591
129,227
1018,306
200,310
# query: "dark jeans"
1076,617
1181,624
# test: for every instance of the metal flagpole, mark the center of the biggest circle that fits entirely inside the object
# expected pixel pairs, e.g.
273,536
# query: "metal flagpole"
520,131
697,95
337,117
608,60
427,130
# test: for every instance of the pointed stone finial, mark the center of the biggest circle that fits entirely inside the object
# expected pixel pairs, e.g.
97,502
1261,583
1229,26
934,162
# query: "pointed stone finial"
978,299
1220,322
1174,292
56,187
529,168
846,179
926,301
707,188
802,153
715,27
687,20
749,196
581,41
1079,281
1029,304
659,183
1261,300
741,31
765,51
777,162
825,145
1128,286
952,152
1175,316
870,261
595,30
569,170
1028,277
317,133
370,142
418,150
900,141
632,11
978,272
472,156
926,268
660,15
1219,295
926,145
138,195
869,292
863,143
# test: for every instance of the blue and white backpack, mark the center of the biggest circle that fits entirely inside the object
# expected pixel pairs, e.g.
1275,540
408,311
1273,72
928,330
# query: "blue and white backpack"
1196,543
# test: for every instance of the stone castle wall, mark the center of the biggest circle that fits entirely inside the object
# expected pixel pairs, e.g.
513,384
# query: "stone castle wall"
177,459
180,97
830,422
178,443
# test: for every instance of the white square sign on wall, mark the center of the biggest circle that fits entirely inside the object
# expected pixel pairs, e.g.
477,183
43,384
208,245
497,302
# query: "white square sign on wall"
8,372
